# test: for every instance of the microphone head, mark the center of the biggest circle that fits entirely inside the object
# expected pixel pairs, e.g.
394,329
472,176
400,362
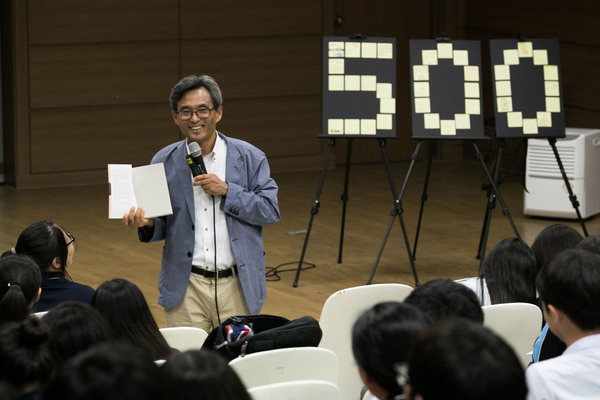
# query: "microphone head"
195,150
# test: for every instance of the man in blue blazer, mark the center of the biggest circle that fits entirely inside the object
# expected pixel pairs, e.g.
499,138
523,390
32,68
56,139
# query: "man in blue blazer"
217,217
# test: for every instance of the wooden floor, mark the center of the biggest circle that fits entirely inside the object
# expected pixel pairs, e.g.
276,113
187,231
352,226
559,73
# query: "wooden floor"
447,246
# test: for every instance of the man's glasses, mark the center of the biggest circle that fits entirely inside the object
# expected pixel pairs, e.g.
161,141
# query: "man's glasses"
71,238
200,113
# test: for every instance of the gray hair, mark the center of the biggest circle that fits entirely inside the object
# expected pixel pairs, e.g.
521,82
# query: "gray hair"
192,82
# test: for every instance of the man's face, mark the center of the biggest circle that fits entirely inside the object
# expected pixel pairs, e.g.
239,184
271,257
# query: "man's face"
201,129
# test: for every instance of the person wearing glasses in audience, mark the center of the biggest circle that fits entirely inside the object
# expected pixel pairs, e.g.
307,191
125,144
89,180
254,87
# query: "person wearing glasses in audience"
213,263
52,248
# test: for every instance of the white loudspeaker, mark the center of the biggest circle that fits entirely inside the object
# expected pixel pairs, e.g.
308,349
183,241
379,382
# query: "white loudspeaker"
546,194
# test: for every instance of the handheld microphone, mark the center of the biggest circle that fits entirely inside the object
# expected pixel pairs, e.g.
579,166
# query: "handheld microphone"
196,155
193,165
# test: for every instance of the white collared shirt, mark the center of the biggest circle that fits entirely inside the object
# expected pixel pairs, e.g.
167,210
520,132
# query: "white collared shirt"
574,375
204,248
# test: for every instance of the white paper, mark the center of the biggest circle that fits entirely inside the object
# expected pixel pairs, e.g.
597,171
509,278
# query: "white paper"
144,187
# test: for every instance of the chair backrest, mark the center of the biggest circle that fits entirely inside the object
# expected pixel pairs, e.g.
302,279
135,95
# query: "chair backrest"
338,315
282,365
184,338
297,390
519,324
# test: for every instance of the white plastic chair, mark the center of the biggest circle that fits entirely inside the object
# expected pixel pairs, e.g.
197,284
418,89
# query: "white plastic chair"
184,338
297,390
519,324
338,315
282,365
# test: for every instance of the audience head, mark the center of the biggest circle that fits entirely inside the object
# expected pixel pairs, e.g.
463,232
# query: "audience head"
381,337
570,284
509,271
51,246
202,374
551,241
114,371
590,243
74,327
460,359
193,82
25,361
443,298
20,281
123,305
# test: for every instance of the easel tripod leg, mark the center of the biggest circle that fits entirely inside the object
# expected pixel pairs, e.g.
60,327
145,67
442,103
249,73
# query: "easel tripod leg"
314,209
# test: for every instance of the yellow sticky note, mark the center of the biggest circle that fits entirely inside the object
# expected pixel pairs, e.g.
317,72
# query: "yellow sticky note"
503,88
514,119
369,50
352,126
504,104
385,50
511,57
336,65
525,49
472,90
422,105
352,50
432,121
387,106
463,121
421,89
472,106
368,127
336,83
501,72
335,127
447,127
550,72
544,119
551,88
368,83
472,73
540,57
461,57
429,57
553,104
352,82
444,50
384,90
420,72
384,122
336,49
530,126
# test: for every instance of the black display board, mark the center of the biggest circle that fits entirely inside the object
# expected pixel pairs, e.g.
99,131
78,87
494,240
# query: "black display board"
359,87
528,99
446,89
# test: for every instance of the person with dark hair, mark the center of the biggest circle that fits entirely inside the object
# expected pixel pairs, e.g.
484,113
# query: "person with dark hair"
552,240
52,248
201,374
507,275
123,305
214,237
548,243
444,298
569,288
115,371
381,337
74,327
20,282
25,361
460,359
590,243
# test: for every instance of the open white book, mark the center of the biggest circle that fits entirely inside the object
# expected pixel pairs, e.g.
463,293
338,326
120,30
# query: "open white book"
144,186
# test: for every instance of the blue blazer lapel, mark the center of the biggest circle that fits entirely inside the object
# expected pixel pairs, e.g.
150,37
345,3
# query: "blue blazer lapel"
182,172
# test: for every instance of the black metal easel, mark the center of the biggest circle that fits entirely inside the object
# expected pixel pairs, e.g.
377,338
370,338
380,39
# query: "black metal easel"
424,197
344,197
